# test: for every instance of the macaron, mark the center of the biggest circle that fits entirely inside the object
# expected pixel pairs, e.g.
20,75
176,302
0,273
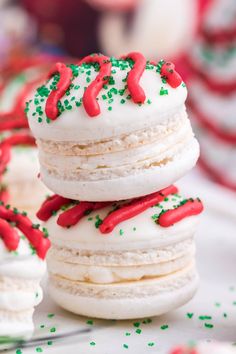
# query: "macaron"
112,129
122,260
22,251
19,163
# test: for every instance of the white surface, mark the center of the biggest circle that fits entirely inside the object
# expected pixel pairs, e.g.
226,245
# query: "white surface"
216,257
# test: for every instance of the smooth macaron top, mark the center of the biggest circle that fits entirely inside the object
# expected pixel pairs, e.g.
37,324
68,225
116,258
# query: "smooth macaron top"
101,98
122,226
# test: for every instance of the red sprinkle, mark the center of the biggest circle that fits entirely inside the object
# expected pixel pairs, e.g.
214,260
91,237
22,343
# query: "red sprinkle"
51,205
51,108
35,236
172,77
90,96
171,217
74,215
134,208
134,76
9,235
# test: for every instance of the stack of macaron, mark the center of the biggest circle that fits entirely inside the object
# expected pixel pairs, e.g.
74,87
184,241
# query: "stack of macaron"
113,137
18,153
23,248
213,92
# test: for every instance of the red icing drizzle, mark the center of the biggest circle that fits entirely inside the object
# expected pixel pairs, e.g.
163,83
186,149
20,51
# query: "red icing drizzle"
171,217
51,108
9,235
134,76
90,96
172,77
134,208
74,215
34,235
124,212
51,205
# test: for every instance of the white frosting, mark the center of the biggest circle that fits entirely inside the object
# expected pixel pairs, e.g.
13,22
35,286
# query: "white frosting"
216,107
139,232
20,274
221,15
76,125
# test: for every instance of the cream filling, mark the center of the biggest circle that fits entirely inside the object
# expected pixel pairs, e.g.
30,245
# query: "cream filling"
161,131
128,289
107,275
119,164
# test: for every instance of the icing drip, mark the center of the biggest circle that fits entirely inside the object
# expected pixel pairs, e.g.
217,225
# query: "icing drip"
170,75
51,205
189,208
90,96
74,215
134,208
32,233
134,76
51,109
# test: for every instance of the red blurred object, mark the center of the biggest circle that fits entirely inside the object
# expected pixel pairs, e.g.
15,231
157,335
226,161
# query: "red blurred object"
71,24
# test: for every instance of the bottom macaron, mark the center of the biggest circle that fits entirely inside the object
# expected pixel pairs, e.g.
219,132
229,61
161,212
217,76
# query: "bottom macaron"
122,260
127,300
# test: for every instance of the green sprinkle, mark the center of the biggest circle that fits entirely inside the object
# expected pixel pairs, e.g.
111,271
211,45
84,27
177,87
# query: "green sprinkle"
203,318
125,346
53,329
18,351
90,322
51,315
147,321
50,342
208,325
110,108
121,232
217,304
163,327
163,91
134,229
225,315
190,315
92,344
88,79
128,334
122,101
98,221
138,331
39,350
151,344
42,326
136,324
149,101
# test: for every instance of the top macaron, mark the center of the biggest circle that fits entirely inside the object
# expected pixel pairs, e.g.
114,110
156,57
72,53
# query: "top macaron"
112,129
124,95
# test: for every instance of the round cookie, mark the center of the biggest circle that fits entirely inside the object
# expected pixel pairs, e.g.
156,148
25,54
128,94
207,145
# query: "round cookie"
125,259
112,129
22,266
